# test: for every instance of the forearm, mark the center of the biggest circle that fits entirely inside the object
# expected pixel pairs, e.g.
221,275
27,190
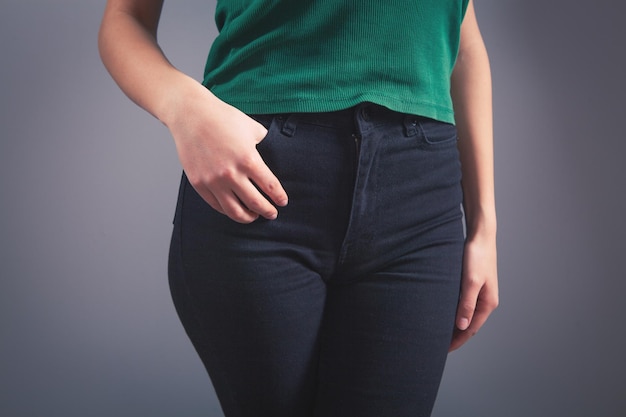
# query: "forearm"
215,142
129,50
471,93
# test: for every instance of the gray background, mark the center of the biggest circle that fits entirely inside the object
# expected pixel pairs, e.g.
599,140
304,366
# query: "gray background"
88,182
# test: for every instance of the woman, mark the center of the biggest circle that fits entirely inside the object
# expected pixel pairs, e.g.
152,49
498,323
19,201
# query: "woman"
348,302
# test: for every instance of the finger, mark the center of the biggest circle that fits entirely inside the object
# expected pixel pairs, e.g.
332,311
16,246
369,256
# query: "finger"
210,199
206,195
219,195
236,210
487,302
236,196
267,182
230,206
460,337
252,199
226,202
467,303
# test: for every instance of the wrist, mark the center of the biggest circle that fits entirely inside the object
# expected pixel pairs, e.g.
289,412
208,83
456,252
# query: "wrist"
181,94
481,223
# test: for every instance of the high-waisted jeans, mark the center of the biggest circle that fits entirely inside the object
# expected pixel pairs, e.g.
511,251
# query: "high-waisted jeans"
345,304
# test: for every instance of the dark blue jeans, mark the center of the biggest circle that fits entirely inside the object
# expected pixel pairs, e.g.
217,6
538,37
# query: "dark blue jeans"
345,304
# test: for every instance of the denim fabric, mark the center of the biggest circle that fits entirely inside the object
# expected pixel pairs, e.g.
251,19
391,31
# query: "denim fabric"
345,304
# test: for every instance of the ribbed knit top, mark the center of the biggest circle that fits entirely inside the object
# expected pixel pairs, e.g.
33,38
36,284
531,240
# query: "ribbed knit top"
283,56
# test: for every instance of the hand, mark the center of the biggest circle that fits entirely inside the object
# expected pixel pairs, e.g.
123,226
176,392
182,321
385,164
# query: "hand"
216,145
479,288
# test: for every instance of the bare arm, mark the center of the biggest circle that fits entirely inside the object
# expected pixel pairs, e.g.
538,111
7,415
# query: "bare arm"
471,94
216,143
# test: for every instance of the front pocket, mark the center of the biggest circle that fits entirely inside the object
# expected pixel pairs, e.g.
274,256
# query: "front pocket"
437,134
180,199
265,119
269,123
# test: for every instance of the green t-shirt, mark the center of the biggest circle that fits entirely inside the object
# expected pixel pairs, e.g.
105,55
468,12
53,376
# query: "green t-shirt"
283,56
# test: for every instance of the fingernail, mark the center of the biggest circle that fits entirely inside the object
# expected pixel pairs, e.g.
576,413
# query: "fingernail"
463,324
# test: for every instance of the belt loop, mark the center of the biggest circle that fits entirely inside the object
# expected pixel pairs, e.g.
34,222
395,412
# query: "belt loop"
411,124
289,127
